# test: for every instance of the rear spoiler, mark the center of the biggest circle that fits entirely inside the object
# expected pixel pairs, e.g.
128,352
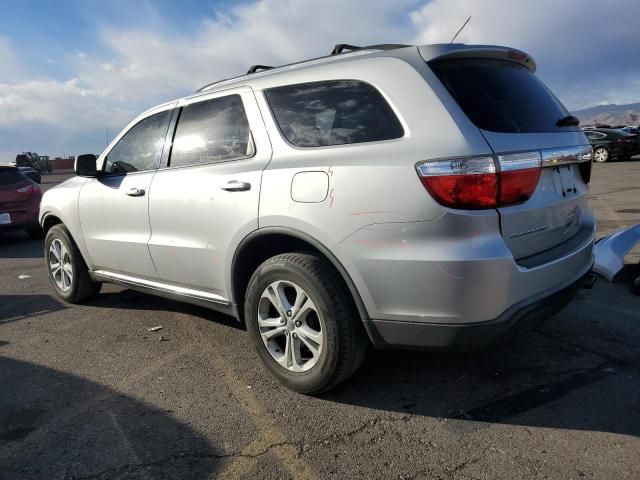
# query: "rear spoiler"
459,50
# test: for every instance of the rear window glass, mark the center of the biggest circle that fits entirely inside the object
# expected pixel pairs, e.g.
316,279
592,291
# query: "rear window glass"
333,113
501,96
214,130
9,176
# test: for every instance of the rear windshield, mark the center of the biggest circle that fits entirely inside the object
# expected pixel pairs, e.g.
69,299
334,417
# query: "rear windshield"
501,96
9,176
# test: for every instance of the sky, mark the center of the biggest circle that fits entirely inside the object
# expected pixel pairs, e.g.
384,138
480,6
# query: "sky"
75,72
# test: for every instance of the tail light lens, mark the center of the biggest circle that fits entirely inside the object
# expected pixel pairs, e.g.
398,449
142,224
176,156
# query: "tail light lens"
470,183
482,182
519,175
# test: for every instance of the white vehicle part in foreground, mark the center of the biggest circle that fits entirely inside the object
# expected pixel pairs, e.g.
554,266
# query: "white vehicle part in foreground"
611,250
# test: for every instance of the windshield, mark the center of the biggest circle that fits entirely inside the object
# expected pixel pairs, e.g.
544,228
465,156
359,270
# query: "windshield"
501,96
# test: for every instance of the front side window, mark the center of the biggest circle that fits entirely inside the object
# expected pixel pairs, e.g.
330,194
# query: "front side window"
333,113
215,130
141,147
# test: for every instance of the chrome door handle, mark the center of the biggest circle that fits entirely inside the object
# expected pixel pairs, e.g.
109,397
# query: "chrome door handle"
135,192
235,186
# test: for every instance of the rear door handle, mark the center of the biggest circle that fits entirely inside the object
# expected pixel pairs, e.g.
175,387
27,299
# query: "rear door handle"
135,192
235,186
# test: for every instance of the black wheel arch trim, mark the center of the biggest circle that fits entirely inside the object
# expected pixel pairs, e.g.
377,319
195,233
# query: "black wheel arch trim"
362,311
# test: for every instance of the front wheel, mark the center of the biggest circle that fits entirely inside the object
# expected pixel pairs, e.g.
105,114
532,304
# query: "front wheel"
67,272
600,155
302,324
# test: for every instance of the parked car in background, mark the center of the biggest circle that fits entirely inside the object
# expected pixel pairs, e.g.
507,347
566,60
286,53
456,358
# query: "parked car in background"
402,196
19,202
32,173
610,144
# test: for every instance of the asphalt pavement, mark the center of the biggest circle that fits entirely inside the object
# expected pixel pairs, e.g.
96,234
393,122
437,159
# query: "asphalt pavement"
87,392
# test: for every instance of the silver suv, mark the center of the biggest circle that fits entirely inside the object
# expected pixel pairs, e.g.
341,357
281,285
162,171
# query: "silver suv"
401,196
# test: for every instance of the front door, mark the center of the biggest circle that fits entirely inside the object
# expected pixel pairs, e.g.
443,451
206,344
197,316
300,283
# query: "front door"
204,203
114,208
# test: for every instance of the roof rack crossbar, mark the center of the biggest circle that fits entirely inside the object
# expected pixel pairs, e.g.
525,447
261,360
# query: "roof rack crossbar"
257,68
341,47
337,50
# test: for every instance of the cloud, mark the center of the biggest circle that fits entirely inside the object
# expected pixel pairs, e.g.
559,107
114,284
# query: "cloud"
586,51
137,67
227,43
149,64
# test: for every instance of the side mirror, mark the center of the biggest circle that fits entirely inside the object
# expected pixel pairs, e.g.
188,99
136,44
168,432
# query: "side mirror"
85,165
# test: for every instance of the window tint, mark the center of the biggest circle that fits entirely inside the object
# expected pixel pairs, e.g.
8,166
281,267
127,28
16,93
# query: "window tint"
141,147
333,113
9,176
212,131
501,96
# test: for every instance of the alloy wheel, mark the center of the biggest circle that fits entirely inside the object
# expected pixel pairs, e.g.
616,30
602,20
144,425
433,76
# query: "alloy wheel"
291,328
60,265
601,155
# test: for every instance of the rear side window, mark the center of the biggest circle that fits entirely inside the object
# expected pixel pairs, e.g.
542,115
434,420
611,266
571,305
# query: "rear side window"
333,113
501,96
141,147
215,130
595,135
9,176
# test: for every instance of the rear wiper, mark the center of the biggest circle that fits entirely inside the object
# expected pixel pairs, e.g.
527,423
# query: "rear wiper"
568,121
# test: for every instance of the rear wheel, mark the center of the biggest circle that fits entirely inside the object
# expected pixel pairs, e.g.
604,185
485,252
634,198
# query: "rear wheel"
302,324
600,155
68,274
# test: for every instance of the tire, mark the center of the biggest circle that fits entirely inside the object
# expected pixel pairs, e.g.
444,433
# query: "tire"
35,233
342,344
73,285
601,155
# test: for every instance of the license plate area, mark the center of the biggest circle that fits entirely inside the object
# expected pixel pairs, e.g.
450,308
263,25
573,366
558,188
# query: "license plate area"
5,218
566,180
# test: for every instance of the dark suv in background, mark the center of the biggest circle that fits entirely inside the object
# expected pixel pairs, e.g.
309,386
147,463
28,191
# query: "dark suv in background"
612,144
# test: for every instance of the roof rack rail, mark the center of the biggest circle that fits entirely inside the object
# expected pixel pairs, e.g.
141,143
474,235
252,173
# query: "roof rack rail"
257,68
337,50
341,47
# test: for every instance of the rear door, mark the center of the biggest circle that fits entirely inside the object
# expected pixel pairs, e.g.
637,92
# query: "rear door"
516,112
114,208
205,201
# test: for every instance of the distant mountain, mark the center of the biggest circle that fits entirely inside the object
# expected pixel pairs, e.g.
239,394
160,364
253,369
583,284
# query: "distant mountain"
610,114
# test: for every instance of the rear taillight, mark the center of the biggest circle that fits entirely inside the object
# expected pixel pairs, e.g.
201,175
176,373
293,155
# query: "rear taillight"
25,189
482,182
519,175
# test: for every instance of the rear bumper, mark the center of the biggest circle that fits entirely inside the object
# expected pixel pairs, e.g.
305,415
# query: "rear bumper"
473,336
